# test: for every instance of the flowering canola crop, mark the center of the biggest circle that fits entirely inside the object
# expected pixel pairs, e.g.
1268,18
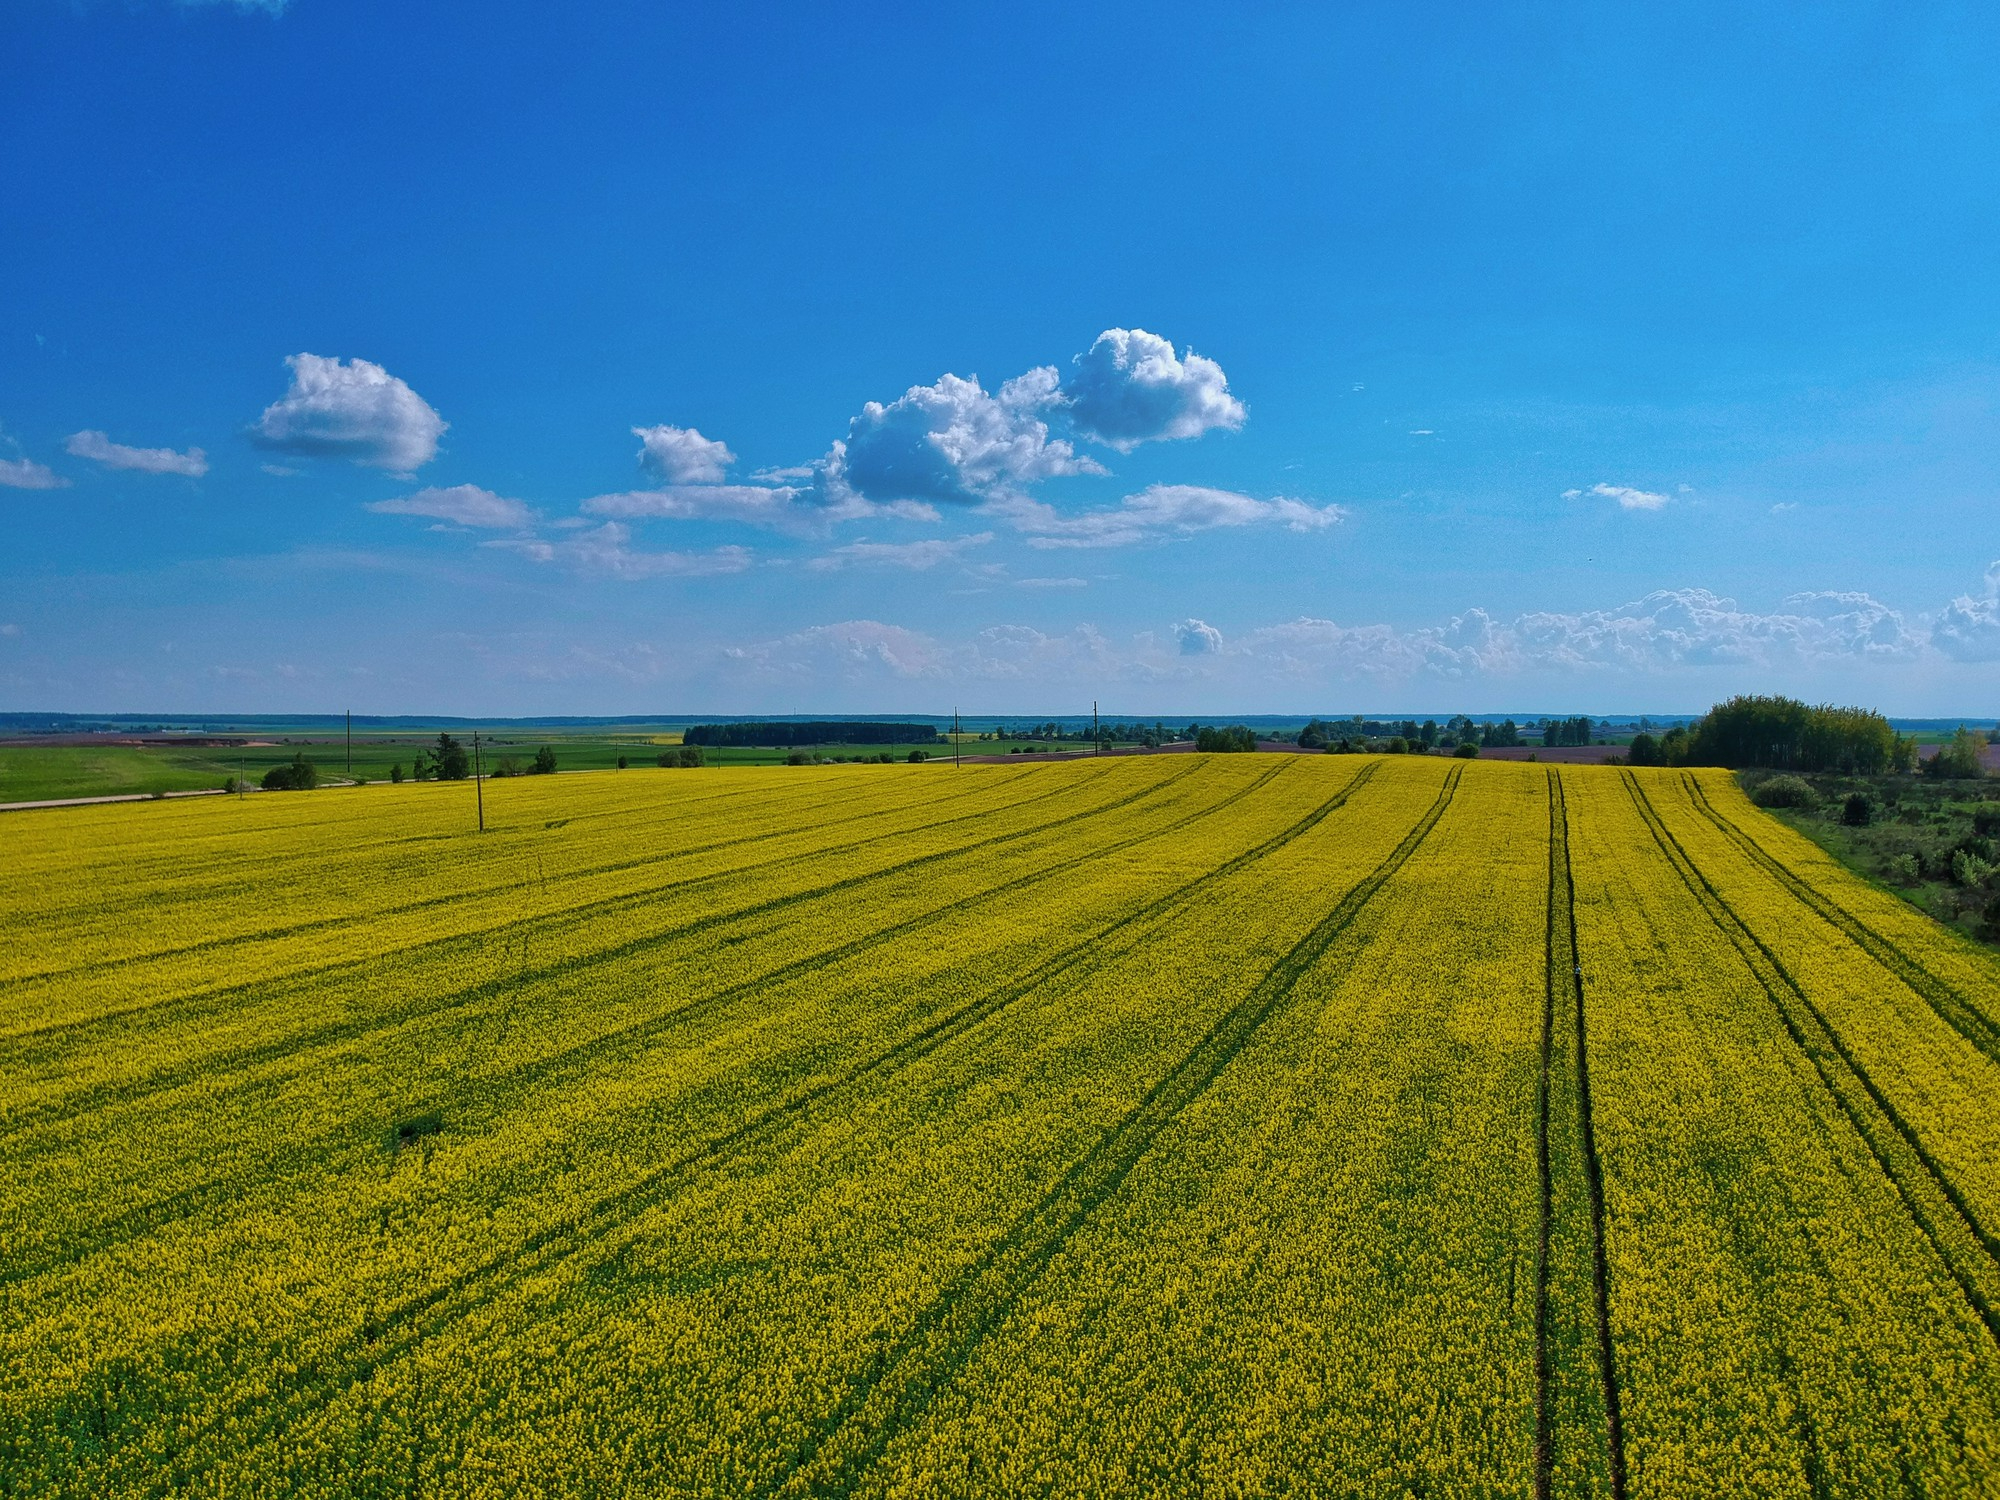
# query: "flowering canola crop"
1237,1125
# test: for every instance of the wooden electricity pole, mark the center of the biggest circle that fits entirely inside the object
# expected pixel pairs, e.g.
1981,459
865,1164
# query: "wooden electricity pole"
954,737
350,742
478,789
1096,734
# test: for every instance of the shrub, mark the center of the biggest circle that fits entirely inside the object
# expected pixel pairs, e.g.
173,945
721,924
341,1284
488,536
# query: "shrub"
1904,869
396,773
1986,818
507,765
545,762
300,776
1786,791
1858,811
1645,751
691,757
1468,750
1397,746
919,755
1967,868
800,758
621,762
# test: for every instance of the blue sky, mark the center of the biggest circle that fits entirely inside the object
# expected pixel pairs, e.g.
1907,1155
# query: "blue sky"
515,359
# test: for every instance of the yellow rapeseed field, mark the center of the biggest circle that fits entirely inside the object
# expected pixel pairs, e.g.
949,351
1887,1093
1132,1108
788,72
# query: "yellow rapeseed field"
1169,1125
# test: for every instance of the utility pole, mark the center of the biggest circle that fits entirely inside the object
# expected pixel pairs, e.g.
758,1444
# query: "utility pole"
239,778
478,790
1096,734
350,742
954,737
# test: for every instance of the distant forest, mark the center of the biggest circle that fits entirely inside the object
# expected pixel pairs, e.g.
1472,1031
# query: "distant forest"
811,732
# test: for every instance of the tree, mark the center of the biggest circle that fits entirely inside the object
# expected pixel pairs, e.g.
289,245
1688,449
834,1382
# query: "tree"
396,773
300,776
1787,735
1961,759
545,762
1468,750
450,761
621,762
1234,740
692,756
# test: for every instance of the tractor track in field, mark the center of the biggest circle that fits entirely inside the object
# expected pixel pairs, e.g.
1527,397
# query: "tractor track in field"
898,1385
400,1330
1951,1004
1545,1180
111,1094
476,939
146,1217
1832,1060
1566,975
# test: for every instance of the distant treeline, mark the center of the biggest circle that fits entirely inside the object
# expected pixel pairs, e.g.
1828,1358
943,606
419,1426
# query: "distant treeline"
811,732
1782,734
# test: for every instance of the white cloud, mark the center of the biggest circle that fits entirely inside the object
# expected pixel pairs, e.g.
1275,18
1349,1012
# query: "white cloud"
26,474
1197,638
279,471
98,448
1052,583
843,652
681,455
1968,628
10,629
953,442
1163,509
1129,389
703,502
462,504
1627,497
353,410
608,549
1666,631
916,556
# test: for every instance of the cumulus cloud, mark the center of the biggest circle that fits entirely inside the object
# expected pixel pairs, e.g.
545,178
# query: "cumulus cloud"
1627,497
1968,628
1665,631
953,442
98,448
1129,388
350,409
462,504
608,550
916,556
681,455
1197,638
26,474
845,651
1163,509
